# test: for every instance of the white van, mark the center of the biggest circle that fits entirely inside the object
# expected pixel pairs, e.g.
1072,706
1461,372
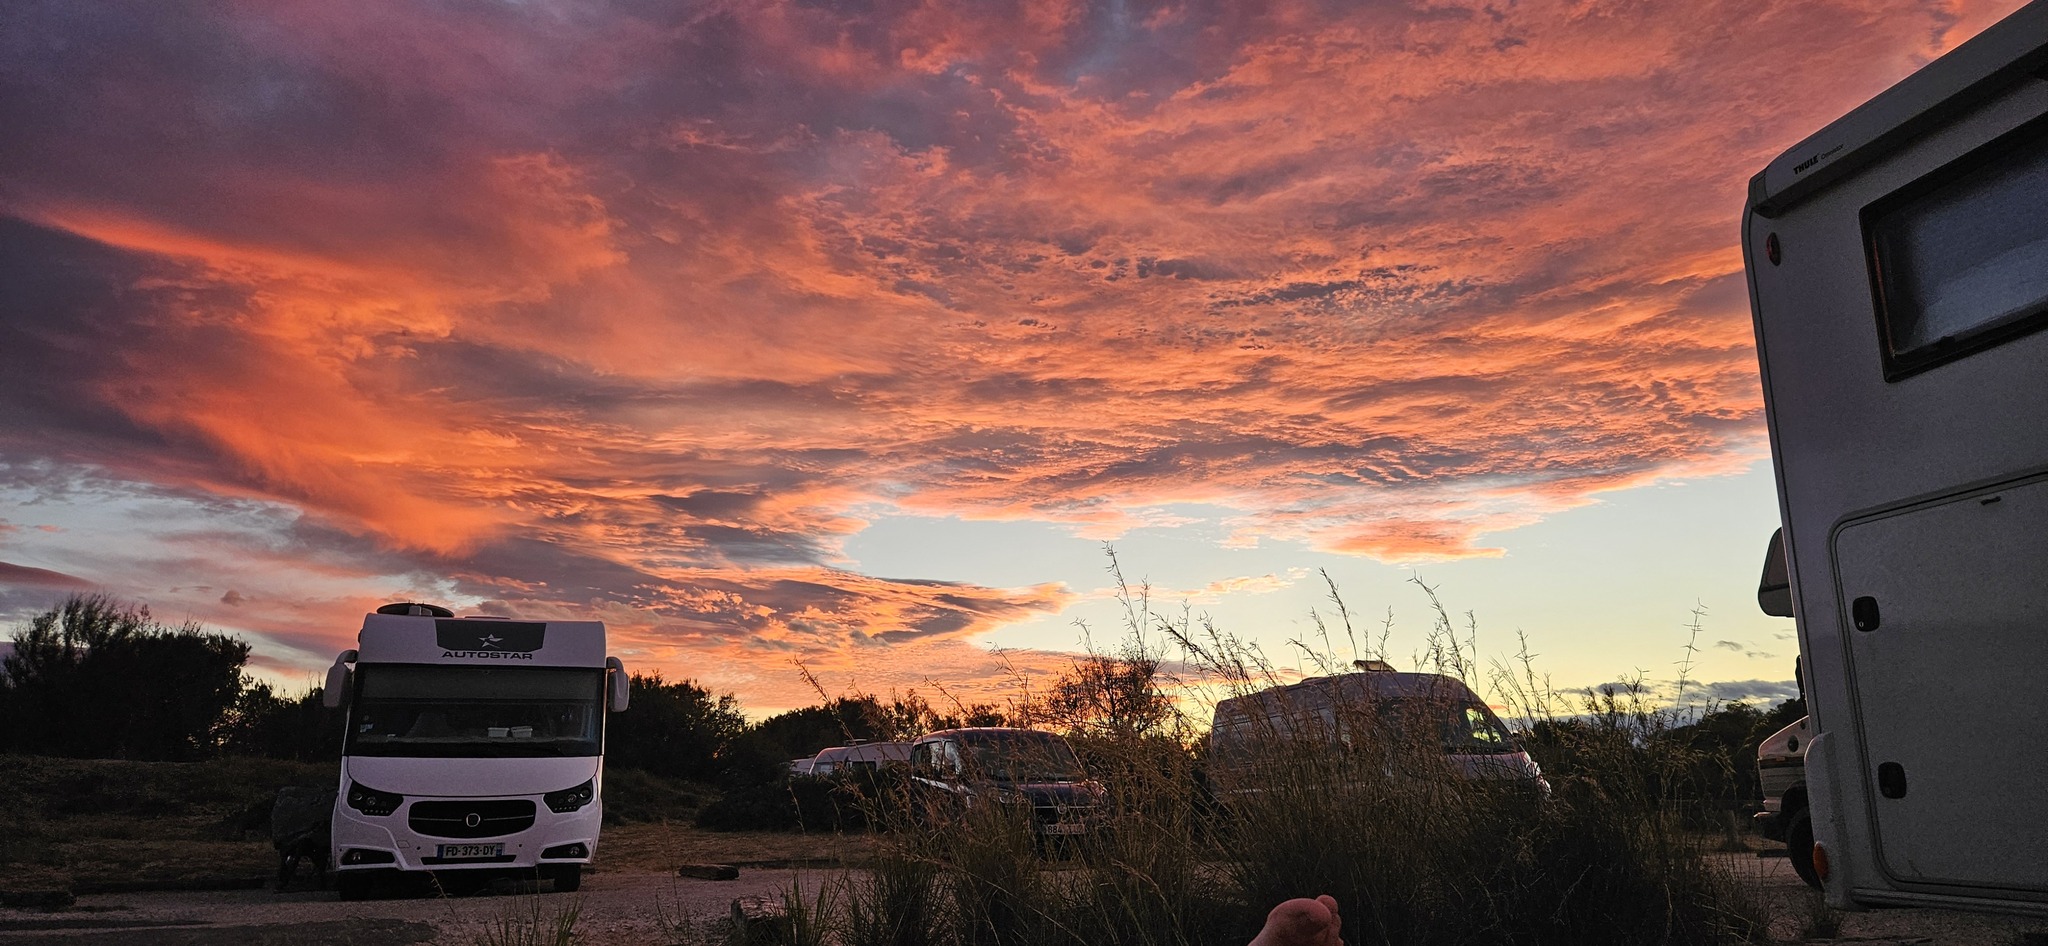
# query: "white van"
472,744
1349,712
859,756
1898,274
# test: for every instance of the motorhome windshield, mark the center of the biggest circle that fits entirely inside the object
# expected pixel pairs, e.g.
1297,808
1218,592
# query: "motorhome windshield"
1022,757
475,712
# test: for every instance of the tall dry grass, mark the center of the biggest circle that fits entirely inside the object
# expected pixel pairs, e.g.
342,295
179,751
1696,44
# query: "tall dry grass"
1416,855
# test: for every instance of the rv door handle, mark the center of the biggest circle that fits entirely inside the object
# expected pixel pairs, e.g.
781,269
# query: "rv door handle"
1863,611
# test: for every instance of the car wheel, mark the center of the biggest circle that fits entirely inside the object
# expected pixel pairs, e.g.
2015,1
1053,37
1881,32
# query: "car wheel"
568,878
1799,847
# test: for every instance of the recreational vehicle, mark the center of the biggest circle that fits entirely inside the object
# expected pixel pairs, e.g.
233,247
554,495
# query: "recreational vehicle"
1378,716
473,743
1898,275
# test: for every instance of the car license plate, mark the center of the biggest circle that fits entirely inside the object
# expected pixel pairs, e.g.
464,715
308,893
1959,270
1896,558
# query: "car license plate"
1074,828
462,851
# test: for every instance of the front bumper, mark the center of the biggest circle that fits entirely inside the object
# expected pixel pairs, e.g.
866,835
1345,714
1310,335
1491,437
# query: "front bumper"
391,842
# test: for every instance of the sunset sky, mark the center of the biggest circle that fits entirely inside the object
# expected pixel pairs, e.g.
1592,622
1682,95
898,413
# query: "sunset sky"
849,333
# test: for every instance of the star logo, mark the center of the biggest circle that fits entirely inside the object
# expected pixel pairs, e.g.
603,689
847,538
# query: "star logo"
489,640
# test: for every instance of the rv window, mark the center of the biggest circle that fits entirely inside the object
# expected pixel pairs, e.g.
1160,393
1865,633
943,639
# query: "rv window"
1959,260
477,712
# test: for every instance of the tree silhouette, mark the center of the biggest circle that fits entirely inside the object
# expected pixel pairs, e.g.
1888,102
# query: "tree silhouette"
94,678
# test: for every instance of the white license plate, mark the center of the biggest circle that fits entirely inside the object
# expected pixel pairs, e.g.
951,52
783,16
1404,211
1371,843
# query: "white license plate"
1074,828
471,850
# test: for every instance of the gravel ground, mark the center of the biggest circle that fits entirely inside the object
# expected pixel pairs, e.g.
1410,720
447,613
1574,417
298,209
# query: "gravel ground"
1794,911
646,908
617,909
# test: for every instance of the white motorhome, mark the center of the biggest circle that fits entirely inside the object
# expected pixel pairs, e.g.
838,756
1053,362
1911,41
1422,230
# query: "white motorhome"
473,743
1898,273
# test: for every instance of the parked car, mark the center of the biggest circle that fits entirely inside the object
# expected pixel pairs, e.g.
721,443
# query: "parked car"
1781,770
1379,711
956,770
859,756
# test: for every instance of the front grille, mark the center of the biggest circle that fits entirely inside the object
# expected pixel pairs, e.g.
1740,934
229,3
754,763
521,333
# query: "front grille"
1064,814
484,818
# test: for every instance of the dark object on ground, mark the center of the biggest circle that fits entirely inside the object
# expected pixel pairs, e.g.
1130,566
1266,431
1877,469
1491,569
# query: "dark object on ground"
101,931
709,871
301,822
51,898
758,920
568,878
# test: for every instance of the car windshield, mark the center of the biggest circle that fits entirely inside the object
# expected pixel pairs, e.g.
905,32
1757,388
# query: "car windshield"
1022,757
476,712
1464,728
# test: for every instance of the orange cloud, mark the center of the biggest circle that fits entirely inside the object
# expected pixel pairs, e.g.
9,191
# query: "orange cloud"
645,311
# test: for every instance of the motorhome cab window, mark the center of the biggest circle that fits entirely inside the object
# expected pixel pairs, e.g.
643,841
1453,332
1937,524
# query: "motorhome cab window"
1960,259
474,712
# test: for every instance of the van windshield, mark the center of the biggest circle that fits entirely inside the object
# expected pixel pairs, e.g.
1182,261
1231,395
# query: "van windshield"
1473,729
476,712
1459,727
1021,756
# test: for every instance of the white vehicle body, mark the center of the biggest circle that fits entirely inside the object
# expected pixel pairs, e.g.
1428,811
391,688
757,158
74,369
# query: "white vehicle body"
1898,271
1349,711
472,744
863,755
1781,770
1781,774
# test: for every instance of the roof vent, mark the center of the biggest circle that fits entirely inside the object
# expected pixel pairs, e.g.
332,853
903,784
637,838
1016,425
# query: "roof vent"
1373,666
416,609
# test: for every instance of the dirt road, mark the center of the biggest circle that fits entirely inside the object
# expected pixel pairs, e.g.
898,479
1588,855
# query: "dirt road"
626,909
647,908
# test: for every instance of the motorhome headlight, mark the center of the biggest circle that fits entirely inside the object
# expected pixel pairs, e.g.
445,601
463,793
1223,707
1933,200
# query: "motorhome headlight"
570,799
372,802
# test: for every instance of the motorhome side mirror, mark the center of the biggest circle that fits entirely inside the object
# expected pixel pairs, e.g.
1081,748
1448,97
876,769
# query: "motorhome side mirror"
336,690
1774,590
621,689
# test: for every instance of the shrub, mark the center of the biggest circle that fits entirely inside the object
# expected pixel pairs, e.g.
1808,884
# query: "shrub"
1415,854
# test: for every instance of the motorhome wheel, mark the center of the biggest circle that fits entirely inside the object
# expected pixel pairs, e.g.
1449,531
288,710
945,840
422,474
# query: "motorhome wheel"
1799,846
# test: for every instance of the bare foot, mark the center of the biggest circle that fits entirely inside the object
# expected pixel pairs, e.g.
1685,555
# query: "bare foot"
1302,923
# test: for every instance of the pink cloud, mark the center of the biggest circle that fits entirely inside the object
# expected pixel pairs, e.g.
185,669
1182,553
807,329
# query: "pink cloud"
618,308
